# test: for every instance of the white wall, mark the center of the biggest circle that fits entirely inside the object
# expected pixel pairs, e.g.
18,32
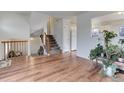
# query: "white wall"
116,28
35,44
84,41
58,32
38,21
112,26
13,26
52,23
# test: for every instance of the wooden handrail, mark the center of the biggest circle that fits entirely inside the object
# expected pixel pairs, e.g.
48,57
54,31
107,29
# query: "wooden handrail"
12,41
14,45
45,41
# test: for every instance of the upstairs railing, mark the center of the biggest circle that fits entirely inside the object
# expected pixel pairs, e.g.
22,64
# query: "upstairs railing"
16,46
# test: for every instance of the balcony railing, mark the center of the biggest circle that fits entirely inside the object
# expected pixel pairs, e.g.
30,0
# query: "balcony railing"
16,46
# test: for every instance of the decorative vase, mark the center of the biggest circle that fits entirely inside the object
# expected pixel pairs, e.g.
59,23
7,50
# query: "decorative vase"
109,71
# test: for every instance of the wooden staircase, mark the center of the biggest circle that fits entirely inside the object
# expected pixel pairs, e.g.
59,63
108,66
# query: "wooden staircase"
50,44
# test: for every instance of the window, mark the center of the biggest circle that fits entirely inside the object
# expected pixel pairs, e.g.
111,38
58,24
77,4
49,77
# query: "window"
121,32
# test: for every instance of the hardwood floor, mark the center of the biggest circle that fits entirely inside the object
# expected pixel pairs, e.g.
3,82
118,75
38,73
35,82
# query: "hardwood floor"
56,68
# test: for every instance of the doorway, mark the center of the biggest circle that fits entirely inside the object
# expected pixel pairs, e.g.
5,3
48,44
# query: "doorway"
69,35
73,37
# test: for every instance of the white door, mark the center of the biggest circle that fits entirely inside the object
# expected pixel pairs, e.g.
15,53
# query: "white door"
73,38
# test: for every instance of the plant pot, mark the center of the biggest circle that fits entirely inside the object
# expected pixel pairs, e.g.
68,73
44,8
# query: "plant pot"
121,59
109,71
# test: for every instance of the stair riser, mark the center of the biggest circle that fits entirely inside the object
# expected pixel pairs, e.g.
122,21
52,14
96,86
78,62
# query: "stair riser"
54,48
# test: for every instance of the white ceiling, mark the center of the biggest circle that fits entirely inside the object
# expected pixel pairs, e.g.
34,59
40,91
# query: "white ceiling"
108,18
25,13
49,13
63,13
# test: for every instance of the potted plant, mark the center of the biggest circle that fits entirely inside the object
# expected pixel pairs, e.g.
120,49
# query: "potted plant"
111,52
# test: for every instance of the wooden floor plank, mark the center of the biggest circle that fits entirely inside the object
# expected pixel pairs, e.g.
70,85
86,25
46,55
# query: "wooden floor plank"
56,68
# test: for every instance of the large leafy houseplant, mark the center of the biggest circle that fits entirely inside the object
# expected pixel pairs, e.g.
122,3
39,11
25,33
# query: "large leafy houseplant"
110,51
96,52
108,35
112,56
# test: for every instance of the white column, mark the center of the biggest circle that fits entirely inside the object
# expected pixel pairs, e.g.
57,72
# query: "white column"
66,35
1,51
29,50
